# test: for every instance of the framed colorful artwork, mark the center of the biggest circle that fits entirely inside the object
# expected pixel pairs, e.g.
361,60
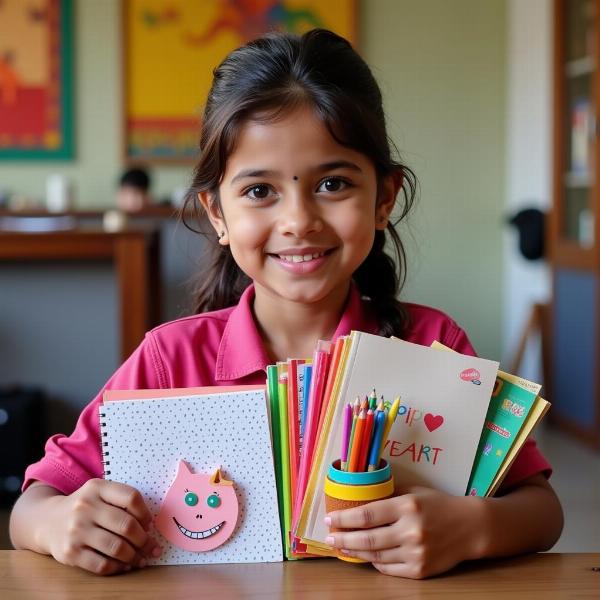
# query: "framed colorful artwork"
36,79
171,48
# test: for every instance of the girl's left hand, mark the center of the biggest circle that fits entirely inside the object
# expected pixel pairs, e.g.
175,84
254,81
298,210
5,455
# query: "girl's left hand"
418,534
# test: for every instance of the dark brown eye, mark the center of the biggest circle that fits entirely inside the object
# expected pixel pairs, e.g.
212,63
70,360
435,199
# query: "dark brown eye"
332,184
258,191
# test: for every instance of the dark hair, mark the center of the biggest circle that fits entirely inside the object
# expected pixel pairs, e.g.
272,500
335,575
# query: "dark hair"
137,178
274,74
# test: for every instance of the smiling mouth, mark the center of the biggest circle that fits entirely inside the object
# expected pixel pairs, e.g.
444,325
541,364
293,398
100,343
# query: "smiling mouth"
299,258
198,535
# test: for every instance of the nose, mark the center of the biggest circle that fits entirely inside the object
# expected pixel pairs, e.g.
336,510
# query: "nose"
198,516
299,215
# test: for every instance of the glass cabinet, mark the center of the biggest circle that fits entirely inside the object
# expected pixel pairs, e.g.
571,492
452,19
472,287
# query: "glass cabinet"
574,224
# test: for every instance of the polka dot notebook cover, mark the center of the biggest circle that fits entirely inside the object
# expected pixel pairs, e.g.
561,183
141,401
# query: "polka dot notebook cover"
204,465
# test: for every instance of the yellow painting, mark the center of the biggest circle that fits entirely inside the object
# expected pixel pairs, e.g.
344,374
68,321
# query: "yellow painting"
172,47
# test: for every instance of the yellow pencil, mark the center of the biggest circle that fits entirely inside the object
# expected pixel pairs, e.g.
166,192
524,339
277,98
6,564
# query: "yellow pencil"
391,417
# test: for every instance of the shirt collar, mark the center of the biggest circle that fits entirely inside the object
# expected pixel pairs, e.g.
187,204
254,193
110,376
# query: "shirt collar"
241,351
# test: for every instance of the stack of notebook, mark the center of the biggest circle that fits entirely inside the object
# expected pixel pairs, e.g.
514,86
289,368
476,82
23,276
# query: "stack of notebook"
458,428
454,423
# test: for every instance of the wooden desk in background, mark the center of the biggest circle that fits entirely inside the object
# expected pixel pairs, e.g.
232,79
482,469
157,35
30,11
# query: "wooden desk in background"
135,254
24,574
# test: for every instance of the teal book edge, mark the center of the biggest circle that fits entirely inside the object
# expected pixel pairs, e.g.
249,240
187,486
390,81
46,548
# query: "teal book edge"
508,409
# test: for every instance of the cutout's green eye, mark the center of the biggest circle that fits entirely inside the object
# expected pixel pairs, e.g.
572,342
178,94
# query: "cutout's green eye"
213,501
191,499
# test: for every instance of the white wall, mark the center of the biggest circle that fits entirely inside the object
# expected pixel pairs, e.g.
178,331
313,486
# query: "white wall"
528,147
442,68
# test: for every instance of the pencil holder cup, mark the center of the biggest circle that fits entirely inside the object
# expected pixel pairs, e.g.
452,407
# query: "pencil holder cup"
347,490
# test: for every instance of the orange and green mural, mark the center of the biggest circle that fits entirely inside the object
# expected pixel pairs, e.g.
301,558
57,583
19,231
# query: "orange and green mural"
36,79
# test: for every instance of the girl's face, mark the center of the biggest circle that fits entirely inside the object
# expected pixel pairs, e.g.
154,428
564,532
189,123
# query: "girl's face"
299,211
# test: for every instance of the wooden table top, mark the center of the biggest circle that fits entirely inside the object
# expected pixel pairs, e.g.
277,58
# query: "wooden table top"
25,575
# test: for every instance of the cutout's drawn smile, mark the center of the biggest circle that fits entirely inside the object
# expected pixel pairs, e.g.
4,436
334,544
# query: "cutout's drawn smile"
198,535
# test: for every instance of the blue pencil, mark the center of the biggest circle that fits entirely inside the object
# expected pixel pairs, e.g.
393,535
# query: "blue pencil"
376,443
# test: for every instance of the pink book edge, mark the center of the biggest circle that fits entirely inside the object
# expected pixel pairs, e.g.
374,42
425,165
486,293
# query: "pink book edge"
317,388
114,395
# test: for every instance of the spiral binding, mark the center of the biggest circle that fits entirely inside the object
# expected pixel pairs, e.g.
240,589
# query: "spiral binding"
104,445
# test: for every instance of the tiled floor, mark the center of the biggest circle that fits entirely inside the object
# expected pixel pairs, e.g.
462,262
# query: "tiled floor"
576,479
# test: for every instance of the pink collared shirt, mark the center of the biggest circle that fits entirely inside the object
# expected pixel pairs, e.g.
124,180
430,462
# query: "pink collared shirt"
225,348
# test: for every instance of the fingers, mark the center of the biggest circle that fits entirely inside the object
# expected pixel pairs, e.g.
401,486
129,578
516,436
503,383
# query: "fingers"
369,540
128,498
113,546
373,514
151,548
111,520
124,524
387,533
98,564
120,522
398,560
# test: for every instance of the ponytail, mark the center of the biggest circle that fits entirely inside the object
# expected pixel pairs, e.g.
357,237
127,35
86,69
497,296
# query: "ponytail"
381,277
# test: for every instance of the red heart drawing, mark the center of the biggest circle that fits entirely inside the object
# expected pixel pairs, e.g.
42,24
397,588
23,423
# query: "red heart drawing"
433,421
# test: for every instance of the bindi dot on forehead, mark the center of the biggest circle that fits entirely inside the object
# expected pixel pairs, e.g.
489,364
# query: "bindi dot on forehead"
295,177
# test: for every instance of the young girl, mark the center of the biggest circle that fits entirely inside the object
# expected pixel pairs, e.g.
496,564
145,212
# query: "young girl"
296,177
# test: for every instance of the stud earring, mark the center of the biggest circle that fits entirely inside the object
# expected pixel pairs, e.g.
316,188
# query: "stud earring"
221,235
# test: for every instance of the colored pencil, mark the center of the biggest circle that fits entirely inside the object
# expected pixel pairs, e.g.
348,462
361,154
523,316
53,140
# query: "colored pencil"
355,413
347,426
373,400
356,442
391,417
375,449
365,442
364,403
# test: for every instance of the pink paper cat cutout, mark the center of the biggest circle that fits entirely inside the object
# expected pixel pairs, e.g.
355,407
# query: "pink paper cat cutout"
199,512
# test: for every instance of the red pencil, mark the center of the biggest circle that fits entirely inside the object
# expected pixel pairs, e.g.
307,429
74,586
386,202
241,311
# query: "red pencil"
365,443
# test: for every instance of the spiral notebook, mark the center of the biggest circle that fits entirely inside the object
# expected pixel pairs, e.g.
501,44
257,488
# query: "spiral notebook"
194,456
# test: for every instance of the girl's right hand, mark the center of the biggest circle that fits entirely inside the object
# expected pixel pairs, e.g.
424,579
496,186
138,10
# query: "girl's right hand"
102,527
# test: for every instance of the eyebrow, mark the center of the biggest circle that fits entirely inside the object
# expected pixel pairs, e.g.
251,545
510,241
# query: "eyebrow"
329,166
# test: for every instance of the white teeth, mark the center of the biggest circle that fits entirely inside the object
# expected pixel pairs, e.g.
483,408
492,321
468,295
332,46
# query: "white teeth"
198,535
297,258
